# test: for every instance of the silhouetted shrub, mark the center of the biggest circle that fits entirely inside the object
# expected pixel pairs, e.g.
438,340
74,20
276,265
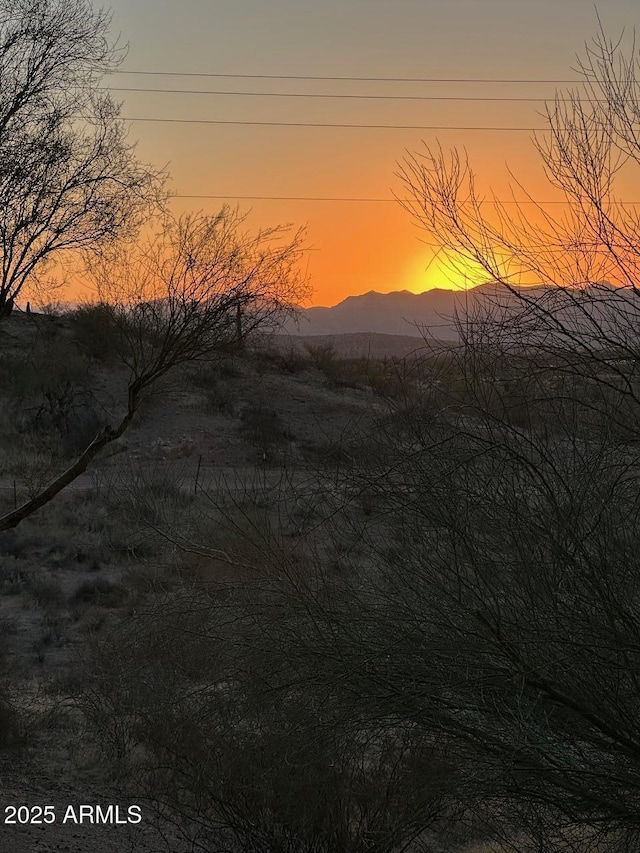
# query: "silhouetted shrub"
292,360
325,358
46,591
263,426
78,429
95,329
101,592
202,717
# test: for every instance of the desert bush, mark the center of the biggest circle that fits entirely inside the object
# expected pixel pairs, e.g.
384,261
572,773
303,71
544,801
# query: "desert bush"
203,375
12,727
100,592
33,463
194,289
390,378
220,397
15,717
325,358
148,495
291,360
218,392
140,508
50,393
46,591
217,732
15,544
10,364
94,327
53,369
352,450
77,431
263,426
501,610
519,502
53,309
16,578
239,539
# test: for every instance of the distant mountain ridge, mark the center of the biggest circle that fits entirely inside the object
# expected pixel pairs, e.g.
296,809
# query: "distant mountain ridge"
398,313
432,313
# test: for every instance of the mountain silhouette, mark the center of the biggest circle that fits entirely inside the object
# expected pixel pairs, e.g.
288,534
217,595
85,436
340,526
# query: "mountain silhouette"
401,312
564,312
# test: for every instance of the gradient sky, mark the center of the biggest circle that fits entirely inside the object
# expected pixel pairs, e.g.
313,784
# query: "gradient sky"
356,246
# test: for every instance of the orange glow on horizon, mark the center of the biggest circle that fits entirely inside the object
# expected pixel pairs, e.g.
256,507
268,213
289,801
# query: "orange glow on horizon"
440,272
359,247
340,94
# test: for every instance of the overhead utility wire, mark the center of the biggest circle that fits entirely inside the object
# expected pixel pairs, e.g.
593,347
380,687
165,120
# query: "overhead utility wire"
353,79
327,95
374,200
320,124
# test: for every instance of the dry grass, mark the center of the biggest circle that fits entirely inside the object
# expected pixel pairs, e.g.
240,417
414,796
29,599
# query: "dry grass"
140,593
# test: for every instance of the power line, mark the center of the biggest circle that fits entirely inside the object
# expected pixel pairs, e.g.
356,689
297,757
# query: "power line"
351,79
332,125
292,198
327,95
374,200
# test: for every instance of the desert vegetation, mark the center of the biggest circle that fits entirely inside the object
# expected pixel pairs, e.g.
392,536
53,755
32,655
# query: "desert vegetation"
292,600
315,616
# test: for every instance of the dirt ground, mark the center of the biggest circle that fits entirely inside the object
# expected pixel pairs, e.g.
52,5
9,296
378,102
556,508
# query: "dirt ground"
67,576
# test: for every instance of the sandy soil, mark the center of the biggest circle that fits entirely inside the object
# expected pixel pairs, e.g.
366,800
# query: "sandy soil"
180,432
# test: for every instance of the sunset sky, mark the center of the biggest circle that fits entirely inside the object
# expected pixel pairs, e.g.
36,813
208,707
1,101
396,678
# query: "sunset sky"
356,246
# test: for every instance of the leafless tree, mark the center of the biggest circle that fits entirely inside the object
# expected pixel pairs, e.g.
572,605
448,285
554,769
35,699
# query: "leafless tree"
495,609
494,613
69,177
579,254
504,617
173,299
